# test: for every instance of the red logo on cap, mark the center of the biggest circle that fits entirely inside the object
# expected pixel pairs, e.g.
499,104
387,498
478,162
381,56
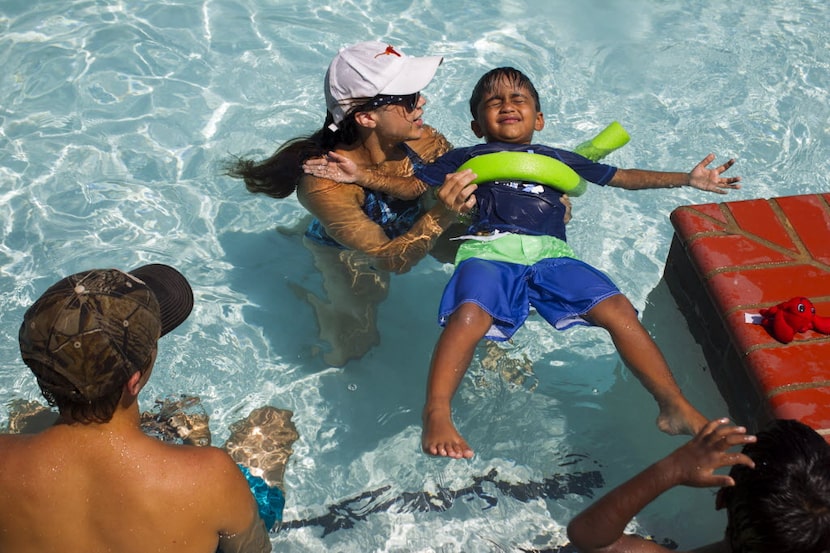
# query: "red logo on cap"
390,51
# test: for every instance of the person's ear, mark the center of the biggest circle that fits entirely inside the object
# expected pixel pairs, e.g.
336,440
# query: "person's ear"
540,122
476,128
135,383
139,379
365,119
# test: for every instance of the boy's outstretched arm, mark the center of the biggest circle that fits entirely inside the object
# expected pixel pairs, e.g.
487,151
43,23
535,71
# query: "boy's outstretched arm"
339,168
700,177
600,527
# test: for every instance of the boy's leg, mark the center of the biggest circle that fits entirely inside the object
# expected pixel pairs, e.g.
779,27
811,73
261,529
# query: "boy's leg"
639,352
452,355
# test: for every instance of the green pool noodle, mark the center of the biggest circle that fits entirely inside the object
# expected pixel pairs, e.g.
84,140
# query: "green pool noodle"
547,170
611,138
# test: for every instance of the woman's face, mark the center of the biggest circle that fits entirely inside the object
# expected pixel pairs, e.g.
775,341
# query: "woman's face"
401,121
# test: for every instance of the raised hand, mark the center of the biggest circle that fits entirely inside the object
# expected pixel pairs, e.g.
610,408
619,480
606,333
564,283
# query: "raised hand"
710,180
696,461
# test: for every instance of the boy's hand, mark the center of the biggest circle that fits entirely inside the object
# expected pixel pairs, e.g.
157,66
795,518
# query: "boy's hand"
334,167
710,179
456,194
694,463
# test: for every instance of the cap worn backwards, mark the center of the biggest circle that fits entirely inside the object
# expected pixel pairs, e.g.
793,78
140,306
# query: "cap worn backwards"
89,332
364,70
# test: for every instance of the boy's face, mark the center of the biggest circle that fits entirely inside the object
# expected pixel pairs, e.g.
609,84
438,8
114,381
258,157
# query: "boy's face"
508,114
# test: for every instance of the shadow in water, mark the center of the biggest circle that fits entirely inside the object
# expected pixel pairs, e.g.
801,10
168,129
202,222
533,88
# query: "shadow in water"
667,325
267,269
487,488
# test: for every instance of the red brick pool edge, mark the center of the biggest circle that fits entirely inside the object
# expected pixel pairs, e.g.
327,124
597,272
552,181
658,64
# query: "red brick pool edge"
728,261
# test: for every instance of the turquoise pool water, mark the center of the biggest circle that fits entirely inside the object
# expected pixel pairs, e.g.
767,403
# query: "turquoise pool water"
116,117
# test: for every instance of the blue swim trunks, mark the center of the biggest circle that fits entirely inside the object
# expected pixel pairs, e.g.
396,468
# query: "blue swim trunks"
562,290
270,500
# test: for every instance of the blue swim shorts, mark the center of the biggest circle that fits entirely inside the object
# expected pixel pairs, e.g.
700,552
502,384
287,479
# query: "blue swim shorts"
561,289
270,500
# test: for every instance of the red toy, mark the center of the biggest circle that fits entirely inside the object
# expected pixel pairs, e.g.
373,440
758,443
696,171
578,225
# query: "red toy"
782,321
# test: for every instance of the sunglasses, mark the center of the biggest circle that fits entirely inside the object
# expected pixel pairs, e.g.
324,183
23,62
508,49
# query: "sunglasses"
409,101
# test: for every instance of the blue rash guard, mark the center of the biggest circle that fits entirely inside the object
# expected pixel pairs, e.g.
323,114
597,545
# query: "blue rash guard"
561,288
514,206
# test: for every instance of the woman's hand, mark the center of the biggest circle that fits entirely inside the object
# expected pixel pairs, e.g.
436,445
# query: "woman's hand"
566,201
601,527
456,194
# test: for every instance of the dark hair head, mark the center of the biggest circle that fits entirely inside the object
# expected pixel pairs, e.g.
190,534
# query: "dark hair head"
490,80
90,332
78,409
783,504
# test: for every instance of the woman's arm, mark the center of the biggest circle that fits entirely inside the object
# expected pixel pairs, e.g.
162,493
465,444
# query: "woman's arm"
339,208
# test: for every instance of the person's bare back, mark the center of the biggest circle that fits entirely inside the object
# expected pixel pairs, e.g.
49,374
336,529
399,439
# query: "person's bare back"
104,488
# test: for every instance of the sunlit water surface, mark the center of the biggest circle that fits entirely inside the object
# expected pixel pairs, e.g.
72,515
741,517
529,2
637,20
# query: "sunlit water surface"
116,117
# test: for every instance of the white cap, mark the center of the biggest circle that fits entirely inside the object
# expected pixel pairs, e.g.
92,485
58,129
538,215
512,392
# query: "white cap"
364,70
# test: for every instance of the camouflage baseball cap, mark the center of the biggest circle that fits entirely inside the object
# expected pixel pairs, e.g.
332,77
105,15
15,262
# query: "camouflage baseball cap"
89,332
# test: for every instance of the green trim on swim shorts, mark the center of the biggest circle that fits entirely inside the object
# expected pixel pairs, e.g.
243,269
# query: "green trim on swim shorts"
515,248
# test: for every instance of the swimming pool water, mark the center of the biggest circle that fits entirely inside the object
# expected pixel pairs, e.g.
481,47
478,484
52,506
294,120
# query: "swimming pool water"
116,117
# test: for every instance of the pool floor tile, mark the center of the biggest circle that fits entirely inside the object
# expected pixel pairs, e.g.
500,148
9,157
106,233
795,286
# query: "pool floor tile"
730,260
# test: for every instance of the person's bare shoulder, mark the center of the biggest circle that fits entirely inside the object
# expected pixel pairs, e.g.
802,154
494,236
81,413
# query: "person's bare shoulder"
209,477
226,489
181,492
196,464
9,446
18,451
6,440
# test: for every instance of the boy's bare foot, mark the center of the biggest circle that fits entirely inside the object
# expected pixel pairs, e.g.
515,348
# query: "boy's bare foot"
440,438
680,417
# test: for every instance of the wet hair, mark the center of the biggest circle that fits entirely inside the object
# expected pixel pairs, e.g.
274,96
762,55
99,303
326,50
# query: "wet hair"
279,175
783,504
490,80
99,410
